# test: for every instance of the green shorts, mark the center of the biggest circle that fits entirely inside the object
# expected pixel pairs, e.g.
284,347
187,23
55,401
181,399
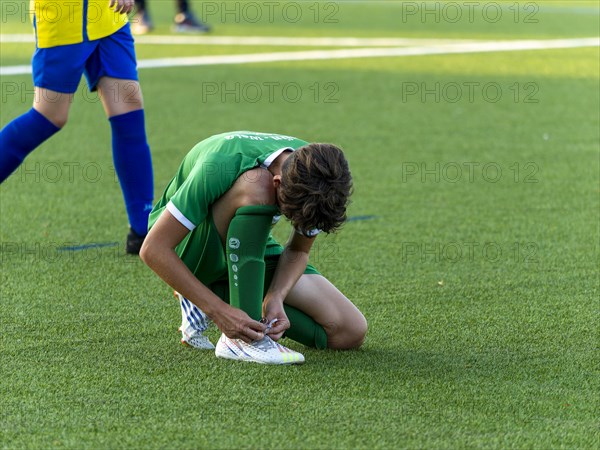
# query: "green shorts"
203,253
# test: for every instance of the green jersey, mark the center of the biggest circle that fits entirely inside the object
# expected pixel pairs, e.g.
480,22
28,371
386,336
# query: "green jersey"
207,172
210,169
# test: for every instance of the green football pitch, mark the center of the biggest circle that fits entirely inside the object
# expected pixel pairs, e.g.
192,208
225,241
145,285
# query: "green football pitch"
473,249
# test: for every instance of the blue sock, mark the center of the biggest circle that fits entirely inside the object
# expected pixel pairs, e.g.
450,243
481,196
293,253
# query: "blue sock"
133,164
20,137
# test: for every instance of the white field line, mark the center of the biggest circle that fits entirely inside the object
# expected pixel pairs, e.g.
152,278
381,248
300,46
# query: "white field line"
275,41
308,55
294,41
313,55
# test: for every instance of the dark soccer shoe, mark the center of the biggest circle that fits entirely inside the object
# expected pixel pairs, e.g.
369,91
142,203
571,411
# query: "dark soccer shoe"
188,23
134,243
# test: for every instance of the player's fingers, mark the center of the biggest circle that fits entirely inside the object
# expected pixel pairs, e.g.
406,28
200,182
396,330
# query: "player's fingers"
277,330
255,331
279,327
112,3
250,335
276,336
124,7
257,326
239,333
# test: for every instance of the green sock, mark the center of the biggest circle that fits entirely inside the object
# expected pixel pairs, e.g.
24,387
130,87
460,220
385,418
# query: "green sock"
246,242
304,329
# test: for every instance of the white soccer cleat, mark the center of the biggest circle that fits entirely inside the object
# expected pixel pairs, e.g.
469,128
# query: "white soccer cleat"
263,351
196,340
193,324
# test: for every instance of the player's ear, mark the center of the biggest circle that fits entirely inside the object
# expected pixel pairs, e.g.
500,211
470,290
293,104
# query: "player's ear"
277,181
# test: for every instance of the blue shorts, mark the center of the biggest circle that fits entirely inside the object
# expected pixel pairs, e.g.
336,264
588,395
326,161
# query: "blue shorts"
60,68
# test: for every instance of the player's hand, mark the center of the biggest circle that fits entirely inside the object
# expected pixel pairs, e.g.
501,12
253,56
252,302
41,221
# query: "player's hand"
122,6
236,324
274,310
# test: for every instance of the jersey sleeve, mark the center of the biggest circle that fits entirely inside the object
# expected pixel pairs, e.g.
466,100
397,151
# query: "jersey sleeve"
207,181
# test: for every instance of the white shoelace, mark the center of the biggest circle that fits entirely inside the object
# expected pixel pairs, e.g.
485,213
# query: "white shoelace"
270,325
266,342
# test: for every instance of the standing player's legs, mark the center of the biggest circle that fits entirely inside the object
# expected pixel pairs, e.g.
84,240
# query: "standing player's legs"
316,297
186,21
112,70
141,22
122,101
25,133
56,74
182,6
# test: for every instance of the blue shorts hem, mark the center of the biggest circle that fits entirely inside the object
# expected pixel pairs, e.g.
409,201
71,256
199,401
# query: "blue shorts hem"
60,68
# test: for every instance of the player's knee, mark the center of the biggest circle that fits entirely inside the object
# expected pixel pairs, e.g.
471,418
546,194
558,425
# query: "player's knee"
356,334
133,95
60,122
134,103
58,118
350,335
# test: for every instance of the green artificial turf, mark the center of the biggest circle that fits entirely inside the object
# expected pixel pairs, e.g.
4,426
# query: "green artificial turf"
478,272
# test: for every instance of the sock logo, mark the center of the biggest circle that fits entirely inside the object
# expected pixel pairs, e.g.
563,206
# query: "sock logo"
234,243
235,277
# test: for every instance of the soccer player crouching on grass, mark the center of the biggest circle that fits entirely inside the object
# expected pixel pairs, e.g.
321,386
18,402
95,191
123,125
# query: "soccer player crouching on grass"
210,240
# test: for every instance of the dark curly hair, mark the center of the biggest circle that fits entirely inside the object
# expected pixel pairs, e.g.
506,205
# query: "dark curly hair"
315,188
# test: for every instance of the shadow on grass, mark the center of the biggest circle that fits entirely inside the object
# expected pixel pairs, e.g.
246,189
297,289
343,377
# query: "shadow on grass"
384,364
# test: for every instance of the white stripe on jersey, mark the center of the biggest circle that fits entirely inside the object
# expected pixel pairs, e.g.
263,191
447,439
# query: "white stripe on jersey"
180,217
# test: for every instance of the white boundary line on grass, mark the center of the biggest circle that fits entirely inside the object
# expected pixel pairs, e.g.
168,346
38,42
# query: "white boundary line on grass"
276,41
313,55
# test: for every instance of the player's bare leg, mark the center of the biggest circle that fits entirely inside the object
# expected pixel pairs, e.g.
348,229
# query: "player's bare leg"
120,96
316,296
53,105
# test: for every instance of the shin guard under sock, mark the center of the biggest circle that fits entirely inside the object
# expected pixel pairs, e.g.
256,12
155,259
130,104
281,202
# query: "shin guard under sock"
246,243
20,137
133,164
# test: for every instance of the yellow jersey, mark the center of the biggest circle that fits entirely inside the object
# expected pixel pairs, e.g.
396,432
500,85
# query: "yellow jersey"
63,22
